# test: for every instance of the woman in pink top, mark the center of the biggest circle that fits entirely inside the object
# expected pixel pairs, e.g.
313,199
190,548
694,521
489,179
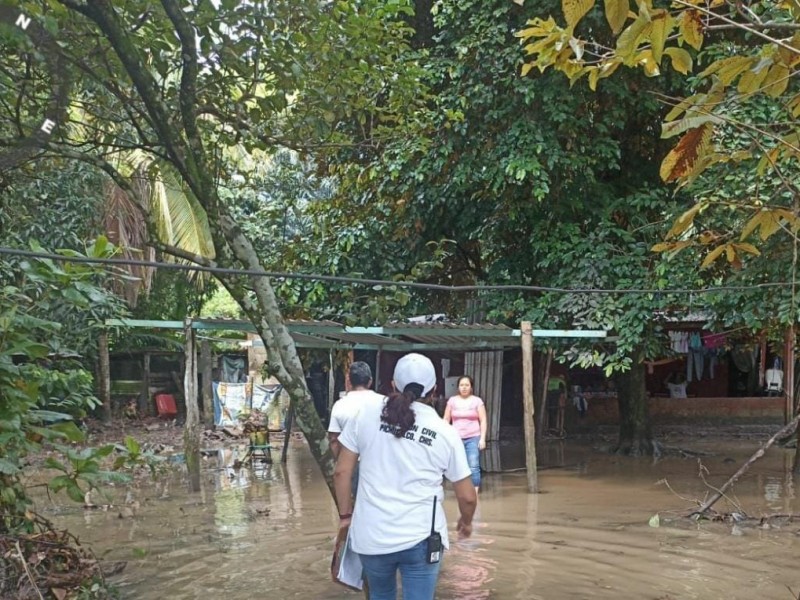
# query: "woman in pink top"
468,415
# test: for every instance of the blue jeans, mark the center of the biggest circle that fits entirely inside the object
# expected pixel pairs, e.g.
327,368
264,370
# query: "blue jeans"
418,577
474,458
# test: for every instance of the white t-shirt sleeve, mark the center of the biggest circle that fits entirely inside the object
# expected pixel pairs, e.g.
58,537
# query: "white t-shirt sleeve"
335,425
349,436
457,467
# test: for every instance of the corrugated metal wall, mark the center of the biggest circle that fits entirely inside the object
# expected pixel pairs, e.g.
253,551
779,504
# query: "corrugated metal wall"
486,370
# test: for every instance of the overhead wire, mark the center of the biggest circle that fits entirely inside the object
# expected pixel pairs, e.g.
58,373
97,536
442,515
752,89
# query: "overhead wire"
383,282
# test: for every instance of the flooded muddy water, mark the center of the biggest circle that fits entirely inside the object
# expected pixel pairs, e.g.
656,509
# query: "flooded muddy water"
267,533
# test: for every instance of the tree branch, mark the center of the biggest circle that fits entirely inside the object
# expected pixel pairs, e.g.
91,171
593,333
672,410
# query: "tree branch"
188,88
741,26
105,17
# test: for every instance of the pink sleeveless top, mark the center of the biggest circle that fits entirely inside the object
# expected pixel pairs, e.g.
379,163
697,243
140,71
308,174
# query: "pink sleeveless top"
464,413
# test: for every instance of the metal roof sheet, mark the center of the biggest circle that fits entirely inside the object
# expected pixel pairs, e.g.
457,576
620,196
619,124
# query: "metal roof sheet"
392,336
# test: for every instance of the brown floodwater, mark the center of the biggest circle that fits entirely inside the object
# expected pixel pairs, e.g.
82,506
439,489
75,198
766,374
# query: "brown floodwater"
267,533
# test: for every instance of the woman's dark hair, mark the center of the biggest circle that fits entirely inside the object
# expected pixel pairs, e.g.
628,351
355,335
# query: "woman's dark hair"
471,383
397,410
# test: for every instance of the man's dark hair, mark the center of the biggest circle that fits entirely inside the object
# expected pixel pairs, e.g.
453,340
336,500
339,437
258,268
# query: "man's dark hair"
360,374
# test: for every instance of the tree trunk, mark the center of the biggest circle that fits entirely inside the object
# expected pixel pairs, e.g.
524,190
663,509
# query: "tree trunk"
104,376
635,435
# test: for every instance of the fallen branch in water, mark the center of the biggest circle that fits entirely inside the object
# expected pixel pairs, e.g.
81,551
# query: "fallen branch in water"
46,562
784,431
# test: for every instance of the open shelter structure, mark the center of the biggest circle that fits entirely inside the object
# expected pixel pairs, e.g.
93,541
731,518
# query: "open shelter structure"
482,345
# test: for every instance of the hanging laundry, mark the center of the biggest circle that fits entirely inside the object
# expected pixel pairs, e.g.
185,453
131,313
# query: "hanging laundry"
714,340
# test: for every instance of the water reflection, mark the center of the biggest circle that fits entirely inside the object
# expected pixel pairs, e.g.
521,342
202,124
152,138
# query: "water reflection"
585,536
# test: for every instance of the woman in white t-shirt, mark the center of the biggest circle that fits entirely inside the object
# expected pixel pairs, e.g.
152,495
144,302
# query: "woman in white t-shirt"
403,450
467,413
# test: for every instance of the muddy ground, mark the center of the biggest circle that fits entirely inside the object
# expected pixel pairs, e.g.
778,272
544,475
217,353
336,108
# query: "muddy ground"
267,531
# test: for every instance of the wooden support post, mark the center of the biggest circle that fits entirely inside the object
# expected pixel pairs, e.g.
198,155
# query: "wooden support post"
191,432
207,390
331,382
104,375
527,403
144,395
376,376
289,419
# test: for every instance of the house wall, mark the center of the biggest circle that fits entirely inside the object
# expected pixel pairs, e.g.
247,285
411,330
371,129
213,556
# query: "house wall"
605,411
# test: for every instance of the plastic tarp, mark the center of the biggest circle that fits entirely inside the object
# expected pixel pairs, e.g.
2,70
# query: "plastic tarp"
230,400
235,402
267,400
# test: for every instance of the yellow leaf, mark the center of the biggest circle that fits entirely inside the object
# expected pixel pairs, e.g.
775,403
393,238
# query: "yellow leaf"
617,14
682,159
681,59
575,9
594,75
788,216
789,57
645,59
751,81
712,256
728,68
685,221
609,67
661,27
749,248
794,105
629,40
751,225
708,237
679,108
768,161
731,252
577,47
662,247
526,68
673,128
776,80
691,28
769,225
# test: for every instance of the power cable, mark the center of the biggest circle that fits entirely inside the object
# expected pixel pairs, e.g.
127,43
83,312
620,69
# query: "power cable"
382,282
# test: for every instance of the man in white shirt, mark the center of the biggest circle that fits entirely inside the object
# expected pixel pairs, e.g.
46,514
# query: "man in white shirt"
346,408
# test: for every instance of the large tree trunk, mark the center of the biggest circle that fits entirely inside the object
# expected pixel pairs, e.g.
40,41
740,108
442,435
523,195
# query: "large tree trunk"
635,435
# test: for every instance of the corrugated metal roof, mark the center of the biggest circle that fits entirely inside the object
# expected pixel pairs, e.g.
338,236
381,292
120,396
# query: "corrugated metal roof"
392,336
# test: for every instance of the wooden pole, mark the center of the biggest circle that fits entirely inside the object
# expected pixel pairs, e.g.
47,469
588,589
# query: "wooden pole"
788,370
104,374
527,403
207,391
144,395
289,419
191,432
331,381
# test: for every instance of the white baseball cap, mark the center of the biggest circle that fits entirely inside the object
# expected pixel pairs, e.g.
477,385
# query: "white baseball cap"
415,368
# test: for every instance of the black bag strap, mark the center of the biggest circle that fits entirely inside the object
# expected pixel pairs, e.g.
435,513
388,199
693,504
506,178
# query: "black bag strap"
433,517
